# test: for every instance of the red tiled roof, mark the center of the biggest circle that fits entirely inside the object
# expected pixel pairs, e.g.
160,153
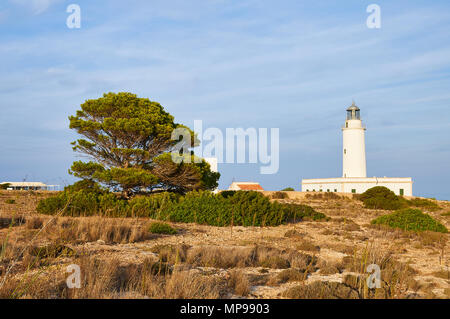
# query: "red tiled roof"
250,187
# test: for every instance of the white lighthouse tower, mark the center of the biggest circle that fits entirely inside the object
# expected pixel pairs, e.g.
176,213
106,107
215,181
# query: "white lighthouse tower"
354,178
354,148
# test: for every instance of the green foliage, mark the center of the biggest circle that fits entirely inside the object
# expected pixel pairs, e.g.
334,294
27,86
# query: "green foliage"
410,219
129,140
162,228
226,194
152,206
296,212
10,201
380,197
84,198
288,189
5,185
423,203
202,207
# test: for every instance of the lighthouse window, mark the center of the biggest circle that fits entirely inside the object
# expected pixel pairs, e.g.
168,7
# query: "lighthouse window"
353,190
402,191
345,151
335,190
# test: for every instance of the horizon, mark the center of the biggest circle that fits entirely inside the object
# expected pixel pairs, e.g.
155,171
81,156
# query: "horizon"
293,66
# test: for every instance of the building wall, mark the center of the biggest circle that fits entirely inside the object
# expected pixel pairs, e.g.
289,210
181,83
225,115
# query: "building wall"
359,185
212,161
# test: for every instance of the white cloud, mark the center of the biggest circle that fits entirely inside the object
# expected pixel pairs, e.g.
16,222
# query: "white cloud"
35,6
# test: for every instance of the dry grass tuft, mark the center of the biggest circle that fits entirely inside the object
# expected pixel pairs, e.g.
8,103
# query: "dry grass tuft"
321,290
239,282
307,245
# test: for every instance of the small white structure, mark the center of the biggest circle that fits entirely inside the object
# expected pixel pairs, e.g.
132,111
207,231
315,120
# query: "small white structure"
354,179
35,186
245,186
213,166
212,161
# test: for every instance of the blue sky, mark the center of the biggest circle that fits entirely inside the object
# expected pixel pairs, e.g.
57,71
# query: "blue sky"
295,65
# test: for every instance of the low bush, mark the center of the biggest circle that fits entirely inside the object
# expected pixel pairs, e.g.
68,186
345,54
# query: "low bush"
279,195
288,189
423,203
238,208
381,197
410,219
84,198
162,228
10,201
5,185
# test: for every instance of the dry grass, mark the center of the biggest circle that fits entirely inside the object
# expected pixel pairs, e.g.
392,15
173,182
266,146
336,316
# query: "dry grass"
239,282
110,279
307,245
444,274
89,229
116,263
288,275
321,290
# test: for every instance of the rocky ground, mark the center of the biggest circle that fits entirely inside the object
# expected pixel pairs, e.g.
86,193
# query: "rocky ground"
309,259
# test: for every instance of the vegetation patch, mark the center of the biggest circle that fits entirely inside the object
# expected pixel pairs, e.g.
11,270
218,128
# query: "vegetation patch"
279,195
381,197
410,219
162,228
52,251
203,207
6,222
322,290
424,204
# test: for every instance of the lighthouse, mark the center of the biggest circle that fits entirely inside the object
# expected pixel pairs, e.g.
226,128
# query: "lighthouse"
354,176
354,148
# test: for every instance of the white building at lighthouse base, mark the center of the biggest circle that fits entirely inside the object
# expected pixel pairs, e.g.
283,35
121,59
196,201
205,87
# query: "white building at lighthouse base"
358,185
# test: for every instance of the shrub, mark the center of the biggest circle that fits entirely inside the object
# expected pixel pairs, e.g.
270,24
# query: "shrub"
381,197
84,198
10,201
299,212
279,195
151,206
226,194
288,189
203,207
423,203
162,228
242,208
5,185
410,219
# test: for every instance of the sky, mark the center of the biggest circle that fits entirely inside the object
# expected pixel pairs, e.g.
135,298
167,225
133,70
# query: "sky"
293,65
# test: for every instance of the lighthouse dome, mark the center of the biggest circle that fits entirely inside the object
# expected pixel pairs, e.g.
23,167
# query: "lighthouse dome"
353,112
